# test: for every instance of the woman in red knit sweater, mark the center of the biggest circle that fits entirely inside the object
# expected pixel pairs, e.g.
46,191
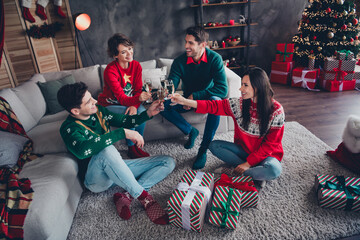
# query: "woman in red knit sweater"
122,91
259,126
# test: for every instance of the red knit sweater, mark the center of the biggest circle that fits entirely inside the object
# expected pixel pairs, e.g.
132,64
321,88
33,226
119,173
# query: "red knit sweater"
121,86
257,147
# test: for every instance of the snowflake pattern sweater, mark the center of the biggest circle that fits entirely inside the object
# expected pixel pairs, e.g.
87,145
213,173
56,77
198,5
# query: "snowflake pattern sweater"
257,147
85,138
122,86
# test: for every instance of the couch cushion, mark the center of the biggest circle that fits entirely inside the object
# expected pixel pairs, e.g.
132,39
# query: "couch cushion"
234,83
49,91
24,116
154,75
47,138
53,178
11,145
31,96
60,116
165,62
151,64
89,75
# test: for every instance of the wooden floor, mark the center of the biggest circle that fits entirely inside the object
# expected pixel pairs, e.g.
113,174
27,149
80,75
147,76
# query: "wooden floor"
323,113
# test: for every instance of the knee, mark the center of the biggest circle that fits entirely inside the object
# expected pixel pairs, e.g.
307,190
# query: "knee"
110,154
214,146
169,163
274,169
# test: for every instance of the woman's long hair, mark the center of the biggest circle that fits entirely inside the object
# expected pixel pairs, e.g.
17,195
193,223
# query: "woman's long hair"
264,93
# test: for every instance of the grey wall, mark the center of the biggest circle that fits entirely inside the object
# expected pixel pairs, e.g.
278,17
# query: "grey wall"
157,26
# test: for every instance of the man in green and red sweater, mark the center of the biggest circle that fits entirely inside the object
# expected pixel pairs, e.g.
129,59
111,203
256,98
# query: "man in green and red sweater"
203,78
86,134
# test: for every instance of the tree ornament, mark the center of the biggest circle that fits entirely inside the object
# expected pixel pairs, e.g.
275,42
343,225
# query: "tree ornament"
349,24
334,24
345,12
343,27
319,49
356,38
330,35
296,48
311,1
336,16
328,10
312,51
351,39
341,2
355,21
314,38
353,11
344,38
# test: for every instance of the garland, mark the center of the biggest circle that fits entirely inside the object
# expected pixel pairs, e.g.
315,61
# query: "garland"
46,30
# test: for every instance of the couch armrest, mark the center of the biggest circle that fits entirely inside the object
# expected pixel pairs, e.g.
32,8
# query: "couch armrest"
234,83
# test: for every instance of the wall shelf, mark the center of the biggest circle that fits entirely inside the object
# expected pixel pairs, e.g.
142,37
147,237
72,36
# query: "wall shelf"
234,47
222,4
230,26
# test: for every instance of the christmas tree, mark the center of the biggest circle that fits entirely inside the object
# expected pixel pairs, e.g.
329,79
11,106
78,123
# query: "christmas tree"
326,26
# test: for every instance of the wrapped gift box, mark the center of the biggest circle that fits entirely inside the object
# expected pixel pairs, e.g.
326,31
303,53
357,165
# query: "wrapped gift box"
344,55
337,86
304,78
188,202
225,207
284,52
249,194
357,76
334,68
281,72
338,192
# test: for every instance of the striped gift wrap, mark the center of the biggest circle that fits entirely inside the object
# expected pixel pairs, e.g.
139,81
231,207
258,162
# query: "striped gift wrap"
331,193
248,199
225,207
198,204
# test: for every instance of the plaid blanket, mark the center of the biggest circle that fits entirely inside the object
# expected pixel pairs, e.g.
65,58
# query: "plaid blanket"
15,194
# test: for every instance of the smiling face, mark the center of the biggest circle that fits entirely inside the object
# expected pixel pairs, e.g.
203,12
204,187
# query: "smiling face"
247,91
125,56
87,107
193,48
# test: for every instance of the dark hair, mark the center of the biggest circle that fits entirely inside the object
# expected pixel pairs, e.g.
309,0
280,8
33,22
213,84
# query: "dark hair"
262,89
199,34
115,40
70,96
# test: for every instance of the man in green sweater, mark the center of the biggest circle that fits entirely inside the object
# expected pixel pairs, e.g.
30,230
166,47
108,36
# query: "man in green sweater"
86,134
203,78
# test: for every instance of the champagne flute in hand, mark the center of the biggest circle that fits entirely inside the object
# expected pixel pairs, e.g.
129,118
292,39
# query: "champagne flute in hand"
171,89
161,94
148,88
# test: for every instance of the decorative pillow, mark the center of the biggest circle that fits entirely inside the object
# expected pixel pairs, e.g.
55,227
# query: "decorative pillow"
11,145
49,91
151,64
166,62
346,158
154,75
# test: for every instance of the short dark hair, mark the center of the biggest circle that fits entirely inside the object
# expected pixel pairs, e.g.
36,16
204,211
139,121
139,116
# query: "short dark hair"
199,34
70,96
115,40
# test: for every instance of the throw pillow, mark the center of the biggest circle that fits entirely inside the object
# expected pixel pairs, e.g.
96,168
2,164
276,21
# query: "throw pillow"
154,75
49,91
151,64
11,145
166,62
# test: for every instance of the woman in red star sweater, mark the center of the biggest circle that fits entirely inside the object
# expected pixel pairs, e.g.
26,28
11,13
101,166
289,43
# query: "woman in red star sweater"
259,126
122,91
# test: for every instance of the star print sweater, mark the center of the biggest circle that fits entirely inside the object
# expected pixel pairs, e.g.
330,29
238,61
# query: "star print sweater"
250,140
202,80
85,138
121,86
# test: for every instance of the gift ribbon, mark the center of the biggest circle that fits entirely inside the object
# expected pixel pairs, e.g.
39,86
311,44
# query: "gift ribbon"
192,190
347,52
279,72
286,54
226,181
225,210
304,80
349,190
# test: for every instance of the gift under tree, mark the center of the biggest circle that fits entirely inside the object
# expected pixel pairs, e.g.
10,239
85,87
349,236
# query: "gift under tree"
327,26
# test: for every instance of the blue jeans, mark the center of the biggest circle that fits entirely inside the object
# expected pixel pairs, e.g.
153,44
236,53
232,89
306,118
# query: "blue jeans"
121,110
269,169
172,114
107,168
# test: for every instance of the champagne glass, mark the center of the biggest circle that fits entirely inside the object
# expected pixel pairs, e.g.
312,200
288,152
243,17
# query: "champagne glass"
171,89
148,88
161,94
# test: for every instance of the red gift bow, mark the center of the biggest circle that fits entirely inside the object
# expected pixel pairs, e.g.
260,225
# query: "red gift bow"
226,181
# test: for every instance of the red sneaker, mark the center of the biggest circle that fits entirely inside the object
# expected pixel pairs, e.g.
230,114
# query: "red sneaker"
141,152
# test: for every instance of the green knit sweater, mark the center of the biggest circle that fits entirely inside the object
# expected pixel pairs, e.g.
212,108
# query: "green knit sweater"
85,138
201,80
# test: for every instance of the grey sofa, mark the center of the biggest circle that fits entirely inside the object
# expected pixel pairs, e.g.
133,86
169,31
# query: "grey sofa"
54,176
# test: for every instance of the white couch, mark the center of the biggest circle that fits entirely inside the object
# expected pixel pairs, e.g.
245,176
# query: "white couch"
54,176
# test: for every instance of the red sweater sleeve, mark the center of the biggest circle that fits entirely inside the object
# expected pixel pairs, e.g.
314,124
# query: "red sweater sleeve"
111,77
216,107
271,143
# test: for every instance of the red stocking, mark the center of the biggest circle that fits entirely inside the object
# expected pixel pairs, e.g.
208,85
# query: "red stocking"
27,15
59,12
40,11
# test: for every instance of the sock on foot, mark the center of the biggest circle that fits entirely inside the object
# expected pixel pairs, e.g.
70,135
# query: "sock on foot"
27,15
59,12
40,11
153,209
141,152
200,159
192,136
122,202
132,153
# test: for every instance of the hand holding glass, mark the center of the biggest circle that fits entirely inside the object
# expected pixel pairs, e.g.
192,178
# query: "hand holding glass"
148,88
